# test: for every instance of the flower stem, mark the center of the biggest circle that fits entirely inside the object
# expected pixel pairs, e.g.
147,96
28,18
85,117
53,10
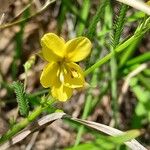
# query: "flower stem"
19,126
119,49
140,31
22,124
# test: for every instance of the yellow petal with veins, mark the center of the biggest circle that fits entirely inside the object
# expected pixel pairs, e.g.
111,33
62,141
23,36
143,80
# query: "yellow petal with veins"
61,92
53,47
61,74
73,76
77,49
49,75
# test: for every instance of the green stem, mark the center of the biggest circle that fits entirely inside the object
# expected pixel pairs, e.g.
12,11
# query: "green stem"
119,49
144,81
113,66
22,124
139,59
84,15
141,30
129,52
96,19
87,106
118,28
38,93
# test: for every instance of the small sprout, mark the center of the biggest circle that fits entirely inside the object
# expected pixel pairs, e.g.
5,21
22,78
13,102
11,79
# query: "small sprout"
29,63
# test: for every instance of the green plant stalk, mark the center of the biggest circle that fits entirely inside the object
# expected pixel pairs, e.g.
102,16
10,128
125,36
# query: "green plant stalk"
90,34
61,16
139,59
131,48
129,52
140,31
114,71
87,106
38,93
22,124
146,72
96,19
97,100
144,81
107,24
84,14
118,28
118,49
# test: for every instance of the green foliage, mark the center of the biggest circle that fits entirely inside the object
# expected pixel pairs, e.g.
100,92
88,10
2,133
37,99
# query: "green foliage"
118,28
61,16
29,63
119,25
142,110
139,59
96,19
107,142
21,97
84,14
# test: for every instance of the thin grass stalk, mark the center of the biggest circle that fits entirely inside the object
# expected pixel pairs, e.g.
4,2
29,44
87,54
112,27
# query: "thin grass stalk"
92,27
87,107
84,14
118,28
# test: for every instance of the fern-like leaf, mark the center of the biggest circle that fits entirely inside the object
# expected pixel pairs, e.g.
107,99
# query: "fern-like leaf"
119,24
100,11
21,97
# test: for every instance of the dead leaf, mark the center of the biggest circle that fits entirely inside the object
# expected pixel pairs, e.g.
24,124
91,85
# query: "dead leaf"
133,144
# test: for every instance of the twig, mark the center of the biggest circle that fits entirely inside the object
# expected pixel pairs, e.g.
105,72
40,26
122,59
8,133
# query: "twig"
20,13
7,25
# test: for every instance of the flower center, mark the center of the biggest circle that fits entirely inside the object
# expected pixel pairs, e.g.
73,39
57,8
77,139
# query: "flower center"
74,73
67,72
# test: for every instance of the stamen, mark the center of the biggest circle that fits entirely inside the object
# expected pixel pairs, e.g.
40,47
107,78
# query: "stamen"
61,77
74,73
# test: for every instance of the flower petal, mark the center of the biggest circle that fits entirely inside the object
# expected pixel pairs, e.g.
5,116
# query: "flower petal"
53,47
78,49
49,75
61,92
73,76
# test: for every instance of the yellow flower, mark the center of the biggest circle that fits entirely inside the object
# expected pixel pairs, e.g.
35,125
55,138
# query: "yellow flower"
61,73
